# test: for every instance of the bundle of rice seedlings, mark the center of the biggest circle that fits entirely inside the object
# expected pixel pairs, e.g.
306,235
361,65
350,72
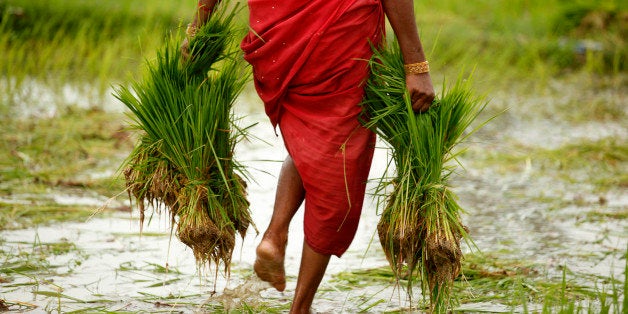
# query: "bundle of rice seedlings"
420,227
184,159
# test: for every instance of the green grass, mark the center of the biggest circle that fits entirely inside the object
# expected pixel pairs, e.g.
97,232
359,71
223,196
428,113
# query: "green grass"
81,42
602,163
585,108
534,39
491,279
603,215
147,267
73,153
19,216
68,150
28,263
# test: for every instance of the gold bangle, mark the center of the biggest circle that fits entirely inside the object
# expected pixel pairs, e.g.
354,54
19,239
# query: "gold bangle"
417,68
190,31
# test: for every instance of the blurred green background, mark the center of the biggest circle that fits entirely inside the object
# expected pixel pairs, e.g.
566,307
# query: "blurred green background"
79,41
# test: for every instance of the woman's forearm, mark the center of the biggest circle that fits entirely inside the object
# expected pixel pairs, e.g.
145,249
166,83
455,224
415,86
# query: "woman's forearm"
400,13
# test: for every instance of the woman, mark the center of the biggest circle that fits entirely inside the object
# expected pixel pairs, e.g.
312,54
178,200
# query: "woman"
308,59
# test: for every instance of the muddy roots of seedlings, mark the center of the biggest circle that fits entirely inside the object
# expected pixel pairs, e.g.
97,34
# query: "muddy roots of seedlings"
207,241
443,262
401,242
417,243
152,181
196,212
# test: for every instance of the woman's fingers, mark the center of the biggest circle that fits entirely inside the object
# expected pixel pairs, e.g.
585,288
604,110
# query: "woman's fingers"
421,91
421,102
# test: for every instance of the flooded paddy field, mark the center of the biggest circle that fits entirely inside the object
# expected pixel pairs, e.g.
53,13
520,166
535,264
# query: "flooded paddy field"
544,185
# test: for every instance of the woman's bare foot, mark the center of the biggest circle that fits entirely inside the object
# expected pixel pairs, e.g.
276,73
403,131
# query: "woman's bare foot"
269,264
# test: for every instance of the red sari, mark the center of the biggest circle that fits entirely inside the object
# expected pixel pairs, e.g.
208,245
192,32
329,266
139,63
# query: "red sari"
309,66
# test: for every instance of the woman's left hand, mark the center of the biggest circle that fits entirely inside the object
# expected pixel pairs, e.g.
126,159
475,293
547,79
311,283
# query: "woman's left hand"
421,91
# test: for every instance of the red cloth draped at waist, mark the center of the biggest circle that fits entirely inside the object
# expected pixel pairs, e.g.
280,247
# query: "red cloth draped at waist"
282,45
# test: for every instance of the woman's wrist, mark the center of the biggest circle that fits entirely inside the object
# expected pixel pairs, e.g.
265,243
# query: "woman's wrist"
417,68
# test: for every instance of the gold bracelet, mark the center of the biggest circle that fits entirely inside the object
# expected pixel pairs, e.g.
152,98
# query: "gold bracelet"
190,31
417,68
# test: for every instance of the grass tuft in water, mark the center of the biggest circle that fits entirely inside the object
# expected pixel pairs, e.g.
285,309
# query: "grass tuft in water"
420,228
184,160
30,263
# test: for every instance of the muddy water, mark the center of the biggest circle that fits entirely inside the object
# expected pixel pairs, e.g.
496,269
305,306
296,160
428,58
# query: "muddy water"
505,209
112,268
32,99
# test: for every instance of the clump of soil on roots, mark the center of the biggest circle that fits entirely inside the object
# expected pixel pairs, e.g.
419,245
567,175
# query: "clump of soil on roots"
193,209
207,241
443,261
413,250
